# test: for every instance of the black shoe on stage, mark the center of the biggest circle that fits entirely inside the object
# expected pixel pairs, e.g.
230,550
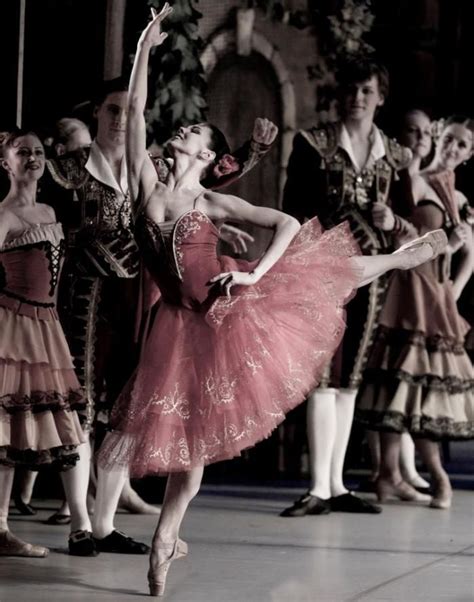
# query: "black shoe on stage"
118,543
24,508
81,543
348,502
58,519
307,504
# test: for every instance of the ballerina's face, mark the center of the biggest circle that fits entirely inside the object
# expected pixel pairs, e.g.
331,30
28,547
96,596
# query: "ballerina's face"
416,134
454,145
191,140
24,159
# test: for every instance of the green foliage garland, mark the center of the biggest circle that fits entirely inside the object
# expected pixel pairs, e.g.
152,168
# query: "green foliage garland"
176,79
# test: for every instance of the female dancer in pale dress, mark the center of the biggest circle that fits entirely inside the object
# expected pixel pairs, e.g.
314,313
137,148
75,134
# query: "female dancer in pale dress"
415,132
219,371
40,396
419,377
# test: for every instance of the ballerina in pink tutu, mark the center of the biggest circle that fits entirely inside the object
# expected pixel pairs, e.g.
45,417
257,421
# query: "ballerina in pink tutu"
234,345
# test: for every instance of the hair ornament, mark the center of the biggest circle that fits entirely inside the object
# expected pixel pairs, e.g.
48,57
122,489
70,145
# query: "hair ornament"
226,165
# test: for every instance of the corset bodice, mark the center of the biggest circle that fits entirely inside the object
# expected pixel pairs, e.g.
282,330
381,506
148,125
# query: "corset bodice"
30,266
182,257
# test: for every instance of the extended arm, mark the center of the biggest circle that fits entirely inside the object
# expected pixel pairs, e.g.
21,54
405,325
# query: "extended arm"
221,207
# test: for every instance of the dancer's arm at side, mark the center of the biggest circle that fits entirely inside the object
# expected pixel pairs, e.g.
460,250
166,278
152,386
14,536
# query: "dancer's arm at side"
466,263
141,171
227,207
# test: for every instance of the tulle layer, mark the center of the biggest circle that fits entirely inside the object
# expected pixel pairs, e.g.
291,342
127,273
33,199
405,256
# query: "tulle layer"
40,396
212,383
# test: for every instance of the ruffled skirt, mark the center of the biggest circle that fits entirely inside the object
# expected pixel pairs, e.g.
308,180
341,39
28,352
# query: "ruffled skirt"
40,395
212,382
419,377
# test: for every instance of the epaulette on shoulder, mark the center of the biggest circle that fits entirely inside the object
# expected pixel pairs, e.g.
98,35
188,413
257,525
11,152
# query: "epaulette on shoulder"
69,170
398,156
323,139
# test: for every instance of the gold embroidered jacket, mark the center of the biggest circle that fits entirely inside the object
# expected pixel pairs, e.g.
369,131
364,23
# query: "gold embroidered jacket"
321,181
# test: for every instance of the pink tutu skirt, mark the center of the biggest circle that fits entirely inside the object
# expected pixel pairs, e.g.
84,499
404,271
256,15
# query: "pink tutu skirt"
214,380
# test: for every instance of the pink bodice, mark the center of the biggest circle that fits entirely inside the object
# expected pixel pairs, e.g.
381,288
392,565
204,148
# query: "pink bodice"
182,258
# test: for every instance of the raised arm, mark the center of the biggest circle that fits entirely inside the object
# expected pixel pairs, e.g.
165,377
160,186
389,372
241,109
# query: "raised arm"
141,171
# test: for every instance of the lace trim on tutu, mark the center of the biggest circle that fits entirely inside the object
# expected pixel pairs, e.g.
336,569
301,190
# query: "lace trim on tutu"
417,425
52,233
62,458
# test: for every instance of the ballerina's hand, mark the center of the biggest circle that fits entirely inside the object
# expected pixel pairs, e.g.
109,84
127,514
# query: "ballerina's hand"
264,131
229,279
152,34
237,238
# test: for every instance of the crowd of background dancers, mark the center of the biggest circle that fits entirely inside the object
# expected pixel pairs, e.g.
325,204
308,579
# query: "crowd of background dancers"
109,277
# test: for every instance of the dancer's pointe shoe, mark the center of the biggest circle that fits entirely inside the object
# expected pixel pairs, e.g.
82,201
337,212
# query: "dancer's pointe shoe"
402,490
157,575
443,497
13,546
436,240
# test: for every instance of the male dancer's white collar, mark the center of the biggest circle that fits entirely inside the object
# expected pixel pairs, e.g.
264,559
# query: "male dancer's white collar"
98,166
377,148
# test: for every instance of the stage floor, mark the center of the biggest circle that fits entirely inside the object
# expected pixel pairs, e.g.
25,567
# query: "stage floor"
241,551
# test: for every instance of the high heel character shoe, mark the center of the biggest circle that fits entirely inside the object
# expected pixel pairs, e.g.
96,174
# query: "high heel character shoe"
436,239
157,575
402,490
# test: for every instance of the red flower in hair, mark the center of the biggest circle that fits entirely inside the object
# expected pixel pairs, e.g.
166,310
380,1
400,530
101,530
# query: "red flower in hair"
227,164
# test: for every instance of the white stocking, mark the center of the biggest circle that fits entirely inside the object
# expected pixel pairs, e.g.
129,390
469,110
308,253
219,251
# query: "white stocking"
108,489
321,427
345,403
75,482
